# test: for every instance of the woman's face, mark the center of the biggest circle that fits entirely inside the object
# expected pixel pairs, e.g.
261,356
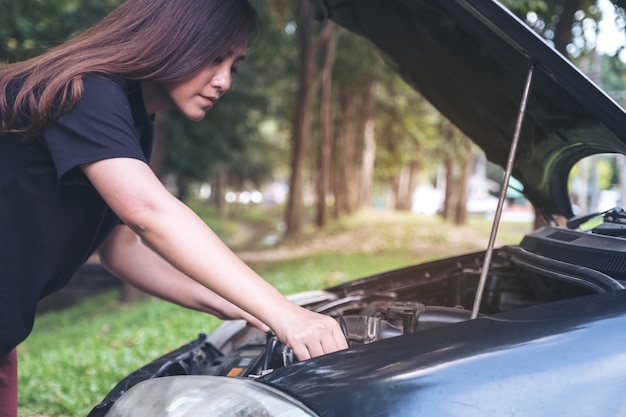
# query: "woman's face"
195,95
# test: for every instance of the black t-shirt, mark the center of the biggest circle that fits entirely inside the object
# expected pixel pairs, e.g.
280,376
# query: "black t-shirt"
51,217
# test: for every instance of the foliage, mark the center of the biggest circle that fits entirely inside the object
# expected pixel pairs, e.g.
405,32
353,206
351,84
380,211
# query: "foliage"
272,63
544,17
227,137
358,63
407,130
604,171
29,26
612,77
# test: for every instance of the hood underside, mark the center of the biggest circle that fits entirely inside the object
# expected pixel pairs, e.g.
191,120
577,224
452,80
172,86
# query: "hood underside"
470,59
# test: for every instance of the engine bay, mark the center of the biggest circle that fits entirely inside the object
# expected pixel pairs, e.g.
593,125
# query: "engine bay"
402,302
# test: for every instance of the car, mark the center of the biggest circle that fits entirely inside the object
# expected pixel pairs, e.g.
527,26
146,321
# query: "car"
534,329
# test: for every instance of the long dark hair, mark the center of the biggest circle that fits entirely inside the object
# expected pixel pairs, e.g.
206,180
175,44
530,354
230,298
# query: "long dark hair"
146,40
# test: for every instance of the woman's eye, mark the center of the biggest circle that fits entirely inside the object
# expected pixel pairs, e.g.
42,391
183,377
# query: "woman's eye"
234,70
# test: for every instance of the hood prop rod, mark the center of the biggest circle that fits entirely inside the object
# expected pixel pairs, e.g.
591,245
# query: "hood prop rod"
505,185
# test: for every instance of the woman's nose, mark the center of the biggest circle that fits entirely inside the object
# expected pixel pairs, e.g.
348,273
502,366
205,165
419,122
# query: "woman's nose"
222,80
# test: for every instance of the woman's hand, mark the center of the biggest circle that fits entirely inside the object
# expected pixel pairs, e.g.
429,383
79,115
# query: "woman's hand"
307,333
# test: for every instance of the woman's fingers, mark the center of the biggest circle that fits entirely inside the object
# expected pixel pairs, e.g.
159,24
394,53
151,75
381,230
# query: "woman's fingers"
311,334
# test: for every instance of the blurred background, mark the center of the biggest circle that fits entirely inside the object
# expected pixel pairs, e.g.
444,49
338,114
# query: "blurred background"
318,125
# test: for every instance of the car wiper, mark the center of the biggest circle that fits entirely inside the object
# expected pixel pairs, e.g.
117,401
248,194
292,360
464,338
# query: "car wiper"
614,222
505,184
575,222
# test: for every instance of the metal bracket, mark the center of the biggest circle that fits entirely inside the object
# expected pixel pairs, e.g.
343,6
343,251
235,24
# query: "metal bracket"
505,185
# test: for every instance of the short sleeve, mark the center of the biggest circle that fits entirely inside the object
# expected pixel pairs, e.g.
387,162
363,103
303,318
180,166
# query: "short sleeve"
100,126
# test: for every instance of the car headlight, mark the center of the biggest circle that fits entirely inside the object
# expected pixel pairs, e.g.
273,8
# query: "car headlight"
200,396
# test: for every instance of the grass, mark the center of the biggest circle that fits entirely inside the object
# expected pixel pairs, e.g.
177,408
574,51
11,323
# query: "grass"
74,357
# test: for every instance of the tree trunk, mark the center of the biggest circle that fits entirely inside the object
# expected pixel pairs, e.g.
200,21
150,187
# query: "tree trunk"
466,169
457,179
354,152
345,155
368,153
367,168
451,195
454,194
563,33
327,122
350,136
302,125
338,174
405,184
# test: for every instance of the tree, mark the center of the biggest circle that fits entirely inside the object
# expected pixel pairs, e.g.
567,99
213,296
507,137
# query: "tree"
458,164
328,40
408,140
337,127
357,74
301,135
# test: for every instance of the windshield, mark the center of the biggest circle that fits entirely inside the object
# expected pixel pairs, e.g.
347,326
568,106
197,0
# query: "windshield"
597,183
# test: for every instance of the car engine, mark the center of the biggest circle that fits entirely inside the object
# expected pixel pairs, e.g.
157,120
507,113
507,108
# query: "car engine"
544,268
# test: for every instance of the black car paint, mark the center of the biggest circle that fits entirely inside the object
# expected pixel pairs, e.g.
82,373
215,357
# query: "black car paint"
512,364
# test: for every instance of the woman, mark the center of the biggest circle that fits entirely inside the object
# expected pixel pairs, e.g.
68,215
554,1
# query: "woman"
74,179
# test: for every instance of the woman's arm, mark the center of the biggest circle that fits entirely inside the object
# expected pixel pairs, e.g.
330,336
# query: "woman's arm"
177,234
125,256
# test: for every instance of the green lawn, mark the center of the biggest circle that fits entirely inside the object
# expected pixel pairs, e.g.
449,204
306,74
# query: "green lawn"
74,357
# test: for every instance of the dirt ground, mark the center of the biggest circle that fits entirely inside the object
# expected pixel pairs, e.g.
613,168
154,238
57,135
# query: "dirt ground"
423,238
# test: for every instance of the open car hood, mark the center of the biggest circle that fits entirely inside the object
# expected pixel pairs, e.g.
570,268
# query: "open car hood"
470,59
